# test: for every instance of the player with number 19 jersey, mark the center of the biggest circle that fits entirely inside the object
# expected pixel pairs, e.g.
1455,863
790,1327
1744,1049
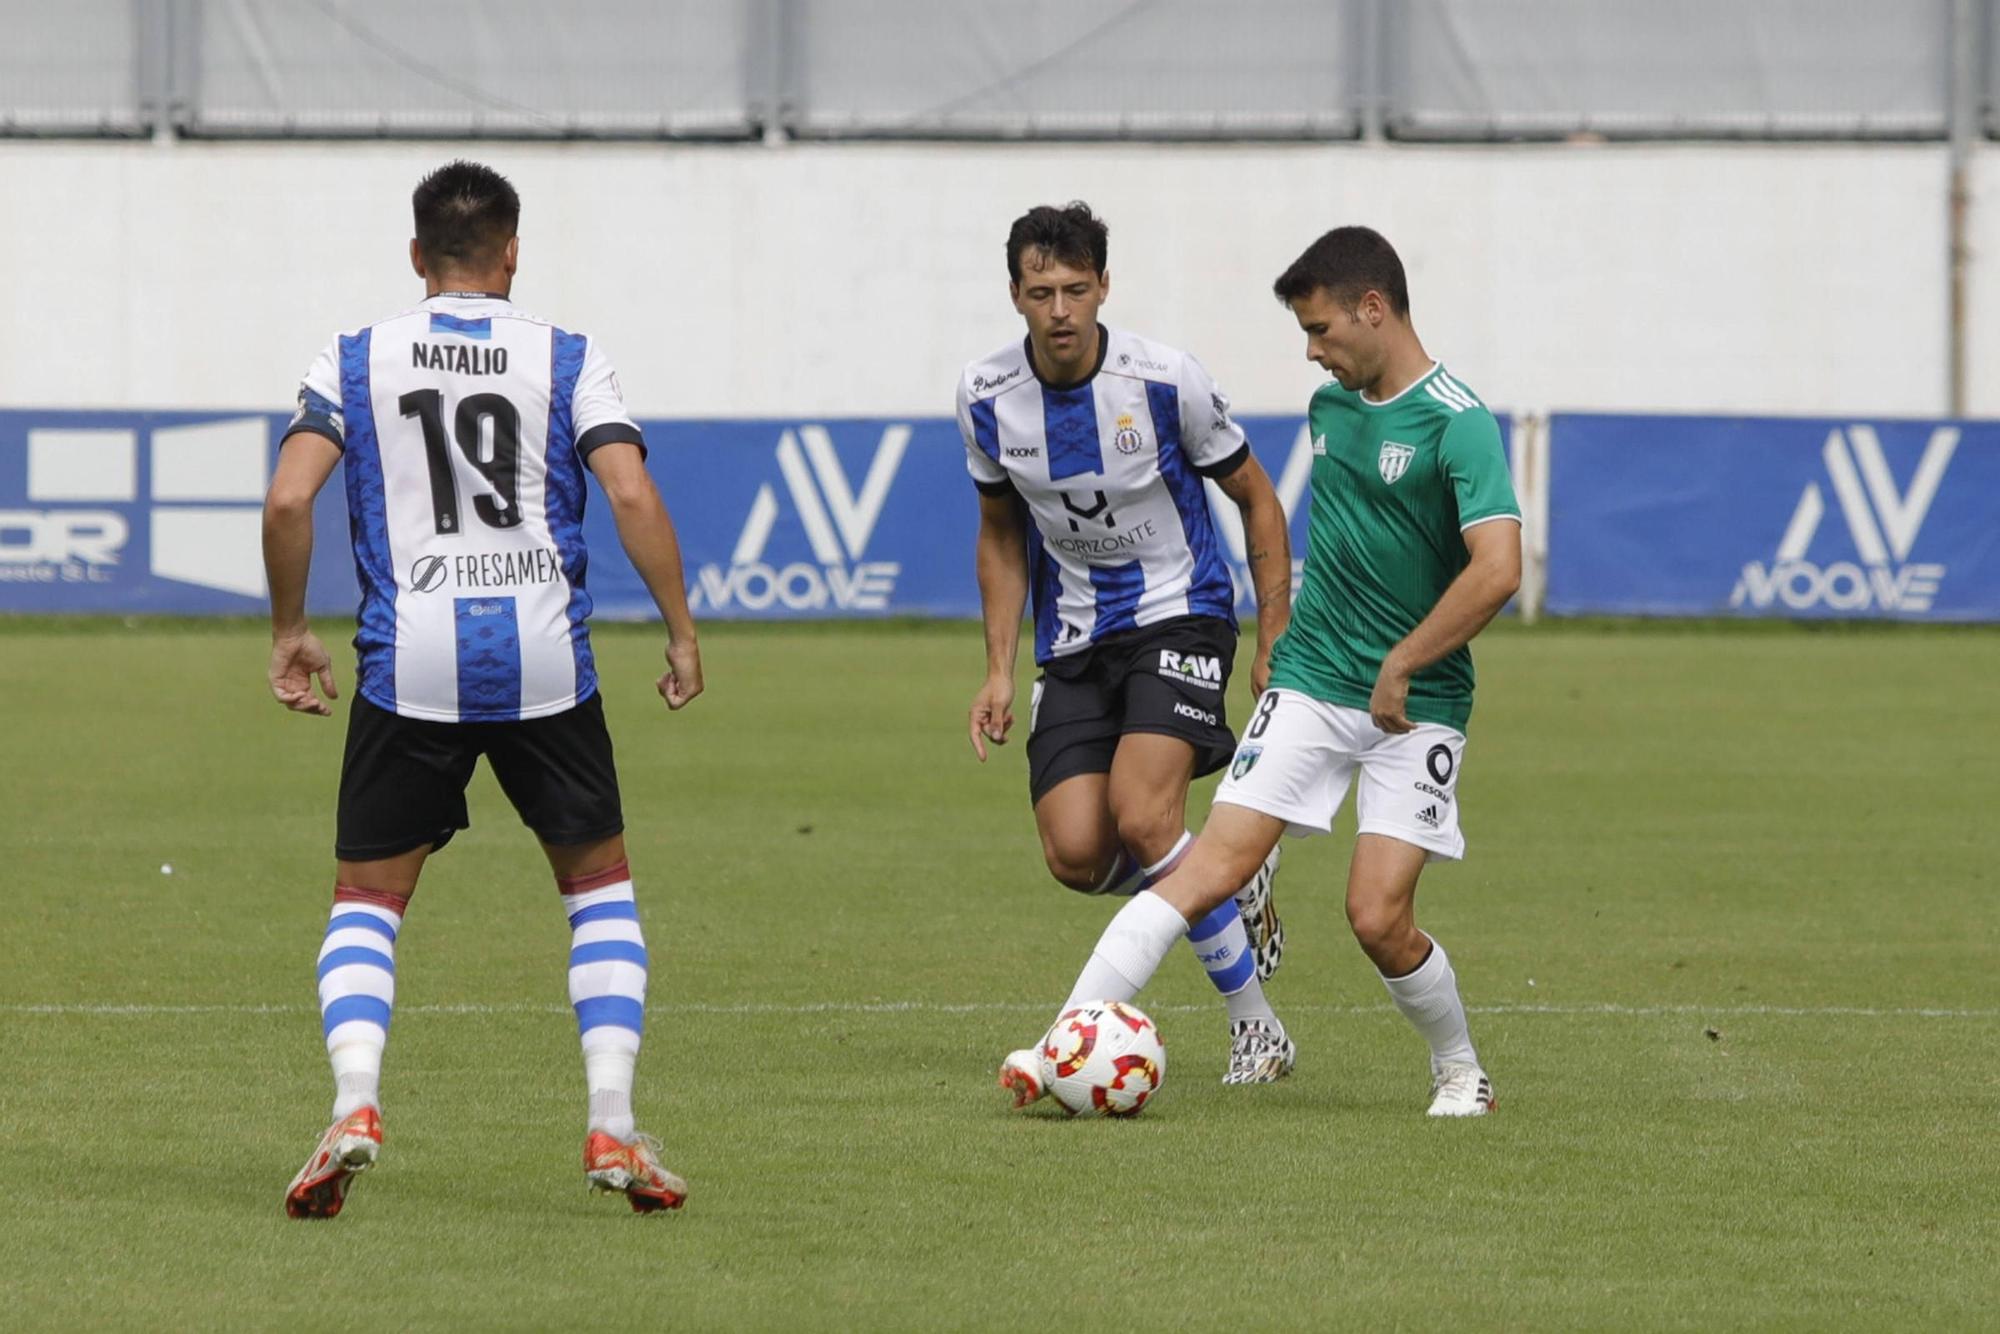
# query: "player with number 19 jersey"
465,425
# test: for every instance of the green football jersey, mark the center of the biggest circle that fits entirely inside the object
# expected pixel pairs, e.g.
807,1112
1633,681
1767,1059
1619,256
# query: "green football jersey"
1394,485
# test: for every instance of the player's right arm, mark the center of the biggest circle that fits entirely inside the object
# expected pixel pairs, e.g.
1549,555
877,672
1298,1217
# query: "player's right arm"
307,456
647,533
1001,563
1002,566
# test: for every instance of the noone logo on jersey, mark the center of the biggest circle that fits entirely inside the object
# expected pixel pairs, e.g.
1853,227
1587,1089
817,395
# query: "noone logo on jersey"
828,572
1882,524
1290,483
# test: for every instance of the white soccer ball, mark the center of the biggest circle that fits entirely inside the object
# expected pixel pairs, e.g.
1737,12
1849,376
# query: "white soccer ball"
1104,1058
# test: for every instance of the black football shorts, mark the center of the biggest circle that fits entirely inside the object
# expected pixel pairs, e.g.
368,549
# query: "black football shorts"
1169,678
402,781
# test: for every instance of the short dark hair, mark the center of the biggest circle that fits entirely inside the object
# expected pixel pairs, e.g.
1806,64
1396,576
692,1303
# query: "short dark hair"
1071,235
1347,262
466,212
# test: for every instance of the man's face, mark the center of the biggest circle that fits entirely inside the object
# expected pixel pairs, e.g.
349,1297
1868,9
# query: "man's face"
1060,305
1346,344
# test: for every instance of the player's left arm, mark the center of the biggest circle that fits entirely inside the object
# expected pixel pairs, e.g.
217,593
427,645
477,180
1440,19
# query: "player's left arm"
1482,588
1475,468
306,459
1220,451
1268,547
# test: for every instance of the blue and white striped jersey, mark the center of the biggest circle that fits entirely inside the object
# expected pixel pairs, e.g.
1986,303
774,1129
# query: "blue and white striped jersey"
1111,471
464,424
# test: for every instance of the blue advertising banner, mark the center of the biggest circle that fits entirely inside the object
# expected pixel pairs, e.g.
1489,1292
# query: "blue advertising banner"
160,512
1765,516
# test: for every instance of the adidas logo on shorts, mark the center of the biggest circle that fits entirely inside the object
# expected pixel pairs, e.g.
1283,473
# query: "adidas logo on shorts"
1429,816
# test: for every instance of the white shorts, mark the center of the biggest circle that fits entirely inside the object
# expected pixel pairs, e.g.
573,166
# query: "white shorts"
1299,755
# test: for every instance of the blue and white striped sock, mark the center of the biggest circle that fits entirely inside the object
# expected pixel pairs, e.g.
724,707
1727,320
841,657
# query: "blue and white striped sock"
607,987
1222,944
357,988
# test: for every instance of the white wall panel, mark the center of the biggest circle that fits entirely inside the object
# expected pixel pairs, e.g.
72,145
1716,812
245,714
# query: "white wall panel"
856,279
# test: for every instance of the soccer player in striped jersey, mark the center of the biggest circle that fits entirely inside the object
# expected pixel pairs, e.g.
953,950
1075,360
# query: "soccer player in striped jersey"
466,427
1089,447
1414,544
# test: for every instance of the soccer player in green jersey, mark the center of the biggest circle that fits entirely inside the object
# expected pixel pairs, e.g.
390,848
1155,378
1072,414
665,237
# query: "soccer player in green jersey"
1413,545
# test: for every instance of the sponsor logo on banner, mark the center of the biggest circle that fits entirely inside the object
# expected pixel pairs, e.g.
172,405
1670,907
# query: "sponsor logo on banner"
1882,522
838,523
201,500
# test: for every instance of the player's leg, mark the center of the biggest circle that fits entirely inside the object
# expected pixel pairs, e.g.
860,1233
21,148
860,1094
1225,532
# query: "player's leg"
1176,687
1072,736
1231,846
1287,773
1079,841
608,968
402,795
1408,815
1175,683
560,774
1148,795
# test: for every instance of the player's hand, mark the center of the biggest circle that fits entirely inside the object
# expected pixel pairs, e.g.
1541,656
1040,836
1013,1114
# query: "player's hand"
681,681
295,661
1389,699
1260,672
992,713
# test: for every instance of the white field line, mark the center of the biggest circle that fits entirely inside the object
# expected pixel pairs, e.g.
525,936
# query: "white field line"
112,1010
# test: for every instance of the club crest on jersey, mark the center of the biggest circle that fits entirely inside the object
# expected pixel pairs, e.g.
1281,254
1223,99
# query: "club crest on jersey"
1246,760
1395,460
1128,439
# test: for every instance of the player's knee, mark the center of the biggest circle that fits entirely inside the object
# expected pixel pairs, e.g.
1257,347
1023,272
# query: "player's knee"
1149,833
1380,928
1078,876
1081,867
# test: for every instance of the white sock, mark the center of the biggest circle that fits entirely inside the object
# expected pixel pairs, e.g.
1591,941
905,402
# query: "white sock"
357,989
1129,951
607,988
1428,998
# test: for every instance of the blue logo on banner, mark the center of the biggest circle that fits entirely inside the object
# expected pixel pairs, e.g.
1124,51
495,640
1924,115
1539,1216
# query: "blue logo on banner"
1773,517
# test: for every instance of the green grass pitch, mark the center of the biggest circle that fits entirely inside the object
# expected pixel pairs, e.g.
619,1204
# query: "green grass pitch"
1729,929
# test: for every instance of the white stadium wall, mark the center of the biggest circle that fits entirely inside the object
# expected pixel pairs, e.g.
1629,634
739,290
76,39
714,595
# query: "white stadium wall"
847,280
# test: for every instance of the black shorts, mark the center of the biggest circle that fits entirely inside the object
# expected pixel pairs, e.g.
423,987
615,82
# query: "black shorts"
1168,678
402,781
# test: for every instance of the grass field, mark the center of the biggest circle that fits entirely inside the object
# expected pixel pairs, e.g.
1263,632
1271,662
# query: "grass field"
1729,928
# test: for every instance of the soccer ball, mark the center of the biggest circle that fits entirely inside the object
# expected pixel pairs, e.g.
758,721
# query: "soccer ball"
1103,1057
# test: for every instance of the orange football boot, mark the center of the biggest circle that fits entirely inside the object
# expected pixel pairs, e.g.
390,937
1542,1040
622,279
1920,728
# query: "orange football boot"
350,1145
632,1168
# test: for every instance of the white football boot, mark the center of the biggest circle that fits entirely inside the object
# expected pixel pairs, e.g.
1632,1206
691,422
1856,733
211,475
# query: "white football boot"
1459,1088
1260,1052
1021,1075
1260,918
